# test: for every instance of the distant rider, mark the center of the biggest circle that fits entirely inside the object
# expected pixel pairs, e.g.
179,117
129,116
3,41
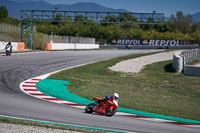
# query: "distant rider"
8,49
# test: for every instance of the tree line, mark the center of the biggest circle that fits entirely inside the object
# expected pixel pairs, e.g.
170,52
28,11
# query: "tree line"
4,17
178,27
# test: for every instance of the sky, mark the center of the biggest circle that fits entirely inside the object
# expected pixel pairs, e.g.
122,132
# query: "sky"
168,7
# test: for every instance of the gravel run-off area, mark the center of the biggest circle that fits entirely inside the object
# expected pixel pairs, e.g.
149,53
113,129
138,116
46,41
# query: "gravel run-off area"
137,64
13,128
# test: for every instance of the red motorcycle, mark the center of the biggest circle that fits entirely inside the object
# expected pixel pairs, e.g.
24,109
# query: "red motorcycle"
105,107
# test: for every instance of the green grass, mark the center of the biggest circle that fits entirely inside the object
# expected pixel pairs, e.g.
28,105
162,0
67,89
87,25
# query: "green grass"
60,127
156,89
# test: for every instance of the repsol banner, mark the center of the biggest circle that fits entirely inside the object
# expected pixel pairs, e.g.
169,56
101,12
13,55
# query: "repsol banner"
150,42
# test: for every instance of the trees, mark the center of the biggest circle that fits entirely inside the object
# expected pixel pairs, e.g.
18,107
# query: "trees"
196,36
128,21
57,19
4,17
3,12
128,18
180,23
109,20
80,18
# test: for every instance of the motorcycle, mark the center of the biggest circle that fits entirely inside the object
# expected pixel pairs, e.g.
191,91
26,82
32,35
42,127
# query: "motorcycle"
106,107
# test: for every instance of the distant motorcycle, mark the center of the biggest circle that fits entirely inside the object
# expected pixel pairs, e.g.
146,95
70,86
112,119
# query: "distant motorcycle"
106,107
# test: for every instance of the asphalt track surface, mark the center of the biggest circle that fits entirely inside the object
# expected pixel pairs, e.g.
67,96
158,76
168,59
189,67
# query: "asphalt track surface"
15,103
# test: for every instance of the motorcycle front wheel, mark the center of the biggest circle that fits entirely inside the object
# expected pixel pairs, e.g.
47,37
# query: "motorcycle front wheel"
90,108
109,112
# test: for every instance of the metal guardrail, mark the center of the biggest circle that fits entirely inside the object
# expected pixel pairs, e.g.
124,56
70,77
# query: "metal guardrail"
191,56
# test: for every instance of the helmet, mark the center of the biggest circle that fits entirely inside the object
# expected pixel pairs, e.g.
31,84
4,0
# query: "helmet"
116,95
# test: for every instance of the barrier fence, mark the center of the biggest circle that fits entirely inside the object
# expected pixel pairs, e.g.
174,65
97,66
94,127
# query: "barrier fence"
9,29
181,59
9,32
9,37
67,39
191,56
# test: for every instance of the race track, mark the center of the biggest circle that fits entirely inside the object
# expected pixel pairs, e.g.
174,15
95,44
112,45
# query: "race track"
15,103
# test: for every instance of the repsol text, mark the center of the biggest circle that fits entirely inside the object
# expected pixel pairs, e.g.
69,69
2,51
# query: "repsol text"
150,42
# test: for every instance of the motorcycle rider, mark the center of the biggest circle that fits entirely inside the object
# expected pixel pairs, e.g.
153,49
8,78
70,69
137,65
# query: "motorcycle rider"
113,98
8,49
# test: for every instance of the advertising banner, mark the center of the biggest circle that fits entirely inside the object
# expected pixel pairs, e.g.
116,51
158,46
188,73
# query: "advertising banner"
149,42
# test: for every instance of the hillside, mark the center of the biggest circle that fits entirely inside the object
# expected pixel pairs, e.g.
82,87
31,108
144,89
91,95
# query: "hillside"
196,17
14,7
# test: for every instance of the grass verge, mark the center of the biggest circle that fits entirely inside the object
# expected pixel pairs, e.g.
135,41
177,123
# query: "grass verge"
156,89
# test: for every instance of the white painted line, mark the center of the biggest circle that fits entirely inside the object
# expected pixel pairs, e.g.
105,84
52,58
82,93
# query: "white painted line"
62,102
197,126
40,97
154,119
80,107
66,102
122,113
28,87
36,92
162,120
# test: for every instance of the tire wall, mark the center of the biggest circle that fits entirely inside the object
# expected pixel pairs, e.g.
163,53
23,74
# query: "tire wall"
178,62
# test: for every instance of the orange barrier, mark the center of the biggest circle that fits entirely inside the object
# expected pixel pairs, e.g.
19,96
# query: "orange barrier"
48,46
20,46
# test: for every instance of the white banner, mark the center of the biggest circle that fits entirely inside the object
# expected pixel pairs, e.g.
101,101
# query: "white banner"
151,42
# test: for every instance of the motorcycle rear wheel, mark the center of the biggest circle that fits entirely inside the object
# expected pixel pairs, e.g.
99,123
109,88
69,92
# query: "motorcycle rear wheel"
90,108
109,112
